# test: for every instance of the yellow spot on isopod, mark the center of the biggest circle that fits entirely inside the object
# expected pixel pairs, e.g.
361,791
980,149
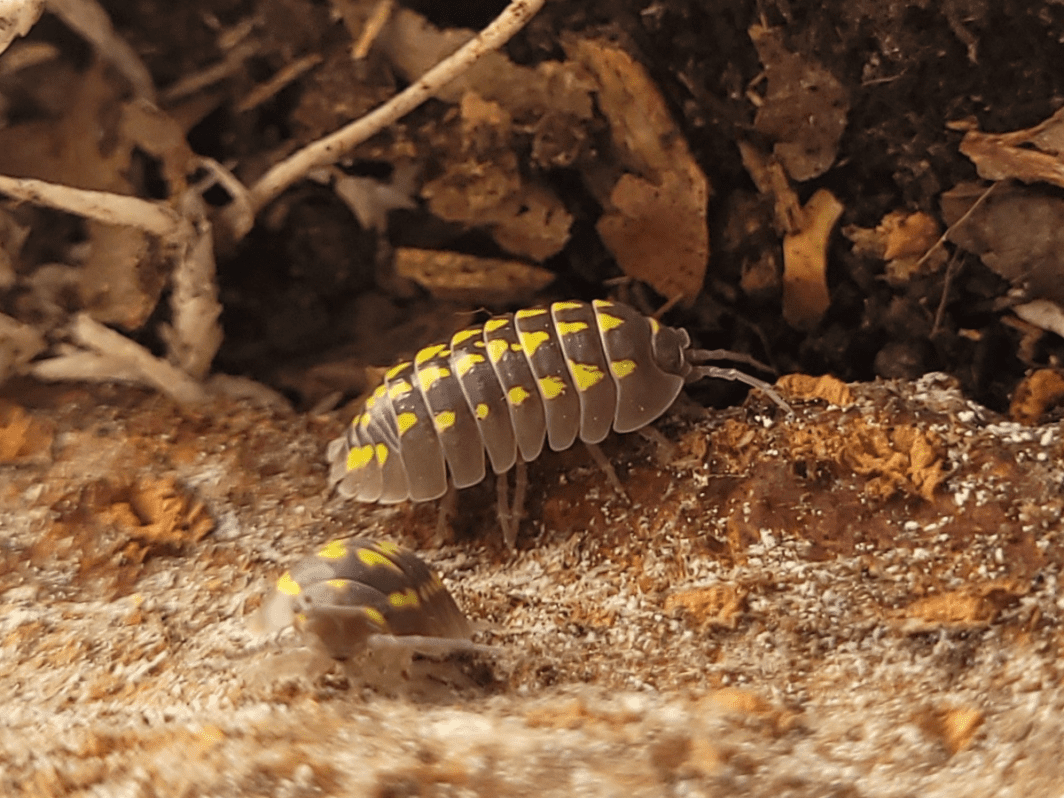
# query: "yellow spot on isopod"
333,550
288,586
376,396
552,387
622,368
396,370
496,349
466,362
482,411
445,420
376,618
429,352
399,389
407,598
374,559
462,336
517,395
365,421
491,325
356,420
337,584
517,347
606,322
406,422
382,453
529,313
389,548
531,341
359,457
571,305
570,327
429,376
586,375
655,325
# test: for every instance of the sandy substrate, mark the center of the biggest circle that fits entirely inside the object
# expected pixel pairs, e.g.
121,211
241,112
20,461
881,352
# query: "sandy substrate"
861,600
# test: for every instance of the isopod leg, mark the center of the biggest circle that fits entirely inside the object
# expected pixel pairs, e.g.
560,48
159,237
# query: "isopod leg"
607,467
502,509
447,507
520,488
510,515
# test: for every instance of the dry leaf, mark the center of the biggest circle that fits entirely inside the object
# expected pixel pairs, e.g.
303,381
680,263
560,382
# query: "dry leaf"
717,605
901,458
970,608
654,223
21,436
958,727
1017,232
123,276
1043,314
805,251
119,283
804,109
19,344
414,45
468,279
903,240
1032,155
805,386
16,19
156,517
1038,394
748,704
768,175
486,187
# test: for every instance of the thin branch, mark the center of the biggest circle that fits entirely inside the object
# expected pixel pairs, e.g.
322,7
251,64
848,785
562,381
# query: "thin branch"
954,226
113,356
103,206
88,18
327,150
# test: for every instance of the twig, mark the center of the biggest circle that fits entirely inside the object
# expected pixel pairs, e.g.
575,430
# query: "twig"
194,336
374,25
88,18
954,226
238,217
327,150
103,206
264,91
946,281
116,357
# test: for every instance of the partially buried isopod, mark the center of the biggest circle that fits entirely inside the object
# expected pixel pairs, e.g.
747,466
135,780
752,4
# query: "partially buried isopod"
351,596
575,369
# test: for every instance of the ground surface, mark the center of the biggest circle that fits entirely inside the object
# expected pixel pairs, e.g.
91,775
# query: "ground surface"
860,600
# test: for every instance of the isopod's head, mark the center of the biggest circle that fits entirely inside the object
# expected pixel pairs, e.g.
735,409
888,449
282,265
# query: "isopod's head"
349,591
670,345
338,616
278,609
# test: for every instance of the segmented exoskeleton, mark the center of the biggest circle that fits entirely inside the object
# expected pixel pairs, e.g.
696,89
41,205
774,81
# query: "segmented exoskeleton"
575,369
351,593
